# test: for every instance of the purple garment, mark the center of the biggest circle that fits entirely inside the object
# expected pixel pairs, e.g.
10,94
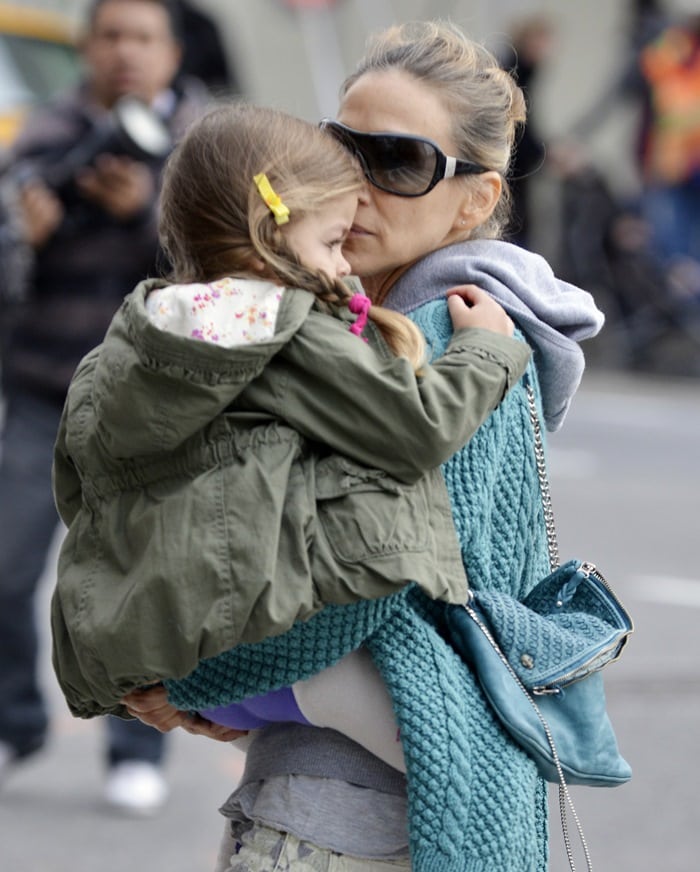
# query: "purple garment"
259,711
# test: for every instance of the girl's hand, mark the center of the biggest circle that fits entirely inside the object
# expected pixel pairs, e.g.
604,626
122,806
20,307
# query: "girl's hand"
471,307
152,707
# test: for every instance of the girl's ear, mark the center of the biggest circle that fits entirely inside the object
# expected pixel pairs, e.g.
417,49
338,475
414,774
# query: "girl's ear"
483,194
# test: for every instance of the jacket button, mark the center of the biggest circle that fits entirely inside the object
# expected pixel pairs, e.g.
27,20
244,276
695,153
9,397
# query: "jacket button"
527,661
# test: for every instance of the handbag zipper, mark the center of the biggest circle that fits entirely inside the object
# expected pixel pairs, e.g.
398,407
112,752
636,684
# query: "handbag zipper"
583,669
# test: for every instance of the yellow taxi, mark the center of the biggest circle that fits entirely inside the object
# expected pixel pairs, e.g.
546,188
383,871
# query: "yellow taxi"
38,57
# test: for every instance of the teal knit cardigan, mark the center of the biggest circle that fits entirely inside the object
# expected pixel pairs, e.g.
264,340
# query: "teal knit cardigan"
475,802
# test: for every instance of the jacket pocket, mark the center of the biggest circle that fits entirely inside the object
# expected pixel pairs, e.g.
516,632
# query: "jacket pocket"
364,514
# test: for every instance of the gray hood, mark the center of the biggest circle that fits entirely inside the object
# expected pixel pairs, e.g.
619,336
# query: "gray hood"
553,315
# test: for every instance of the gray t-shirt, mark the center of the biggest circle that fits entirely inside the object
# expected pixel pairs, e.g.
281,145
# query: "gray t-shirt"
323,788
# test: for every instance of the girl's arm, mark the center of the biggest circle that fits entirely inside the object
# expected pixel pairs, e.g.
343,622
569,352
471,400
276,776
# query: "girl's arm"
355,397
367,404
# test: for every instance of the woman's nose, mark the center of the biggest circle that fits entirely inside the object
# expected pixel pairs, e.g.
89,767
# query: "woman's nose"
364,195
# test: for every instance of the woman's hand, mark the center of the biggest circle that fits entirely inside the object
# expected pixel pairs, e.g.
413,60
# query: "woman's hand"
471,307
152,707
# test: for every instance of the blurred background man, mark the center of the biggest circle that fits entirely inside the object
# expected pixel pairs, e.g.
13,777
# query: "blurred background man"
84,208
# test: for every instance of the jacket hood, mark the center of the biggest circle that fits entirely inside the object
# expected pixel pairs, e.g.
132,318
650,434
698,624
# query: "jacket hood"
201,377
554,315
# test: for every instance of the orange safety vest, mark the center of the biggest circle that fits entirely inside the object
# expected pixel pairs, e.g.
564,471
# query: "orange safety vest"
671,67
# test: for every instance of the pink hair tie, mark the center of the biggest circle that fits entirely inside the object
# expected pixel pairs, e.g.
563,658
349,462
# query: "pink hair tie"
359,305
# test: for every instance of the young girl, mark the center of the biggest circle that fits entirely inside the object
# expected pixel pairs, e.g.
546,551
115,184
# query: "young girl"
218,491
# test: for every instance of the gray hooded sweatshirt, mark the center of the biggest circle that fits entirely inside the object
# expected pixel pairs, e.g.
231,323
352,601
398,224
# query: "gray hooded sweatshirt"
553,315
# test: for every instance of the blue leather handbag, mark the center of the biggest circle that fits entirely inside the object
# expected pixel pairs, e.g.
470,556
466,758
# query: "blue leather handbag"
539,661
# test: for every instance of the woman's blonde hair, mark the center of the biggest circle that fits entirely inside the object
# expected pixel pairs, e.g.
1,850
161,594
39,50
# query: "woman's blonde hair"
484,102
214,222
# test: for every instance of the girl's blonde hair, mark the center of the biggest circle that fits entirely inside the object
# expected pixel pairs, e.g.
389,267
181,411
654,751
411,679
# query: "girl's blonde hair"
483,100
214,222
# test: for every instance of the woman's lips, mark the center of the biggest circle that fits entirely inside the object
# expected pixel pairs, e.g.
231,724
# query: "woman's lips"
359,230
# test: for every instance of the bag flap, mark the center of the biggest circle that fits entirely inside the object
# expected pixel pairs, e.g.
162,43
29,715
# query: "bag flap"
569,625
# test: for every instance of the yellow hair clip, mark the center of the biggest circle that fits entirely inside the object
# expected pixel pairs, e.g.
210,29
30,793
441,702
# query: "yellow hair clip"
272,200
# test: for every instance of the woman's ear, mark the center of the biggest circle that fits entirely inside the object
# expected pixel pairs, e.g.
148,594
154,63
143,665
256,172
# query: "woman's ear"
257,264
483,194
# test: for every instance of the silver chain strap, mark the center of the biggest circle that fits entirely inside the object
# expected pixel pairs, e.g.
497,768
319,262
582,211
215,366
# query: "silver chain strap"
564,795
552,543
553,547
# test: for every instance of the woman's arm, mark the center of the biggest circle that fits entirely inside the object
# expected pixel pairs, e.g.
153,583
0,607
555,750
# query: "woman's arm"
151,706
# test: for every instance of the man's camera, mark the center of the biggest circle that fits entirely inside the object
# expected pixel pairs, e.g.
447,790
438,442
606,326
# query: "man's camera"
132,129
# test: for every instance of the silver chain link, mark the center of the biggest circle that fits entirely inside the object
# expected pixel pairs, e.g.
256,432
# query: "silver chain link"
552,543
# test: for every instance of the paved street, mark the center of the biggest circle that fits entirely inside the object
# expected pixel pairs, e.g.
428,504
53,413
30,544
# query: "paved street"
626,492
625,479
52,816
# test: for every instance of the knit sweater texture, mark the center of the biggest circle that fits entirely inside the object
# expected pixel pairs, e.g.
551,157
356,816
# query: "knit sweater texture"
475,800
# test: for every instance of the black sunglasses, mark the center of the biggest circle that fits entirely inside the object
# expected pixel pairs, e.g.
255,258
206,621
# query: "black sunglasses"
399,163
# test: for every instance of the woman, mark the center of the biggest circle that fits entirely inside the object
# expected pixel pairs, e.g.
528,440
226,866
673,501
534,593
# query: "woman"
425,223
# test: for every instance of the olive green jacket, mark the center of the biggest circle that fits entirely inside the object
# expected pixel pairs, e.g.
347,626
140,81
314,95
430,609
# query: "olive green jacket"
195,525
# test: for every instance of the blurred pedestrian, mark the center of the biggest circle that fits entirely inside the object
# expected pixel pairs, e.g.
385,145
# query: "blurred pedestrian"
670,149
204,54
91,230
661,73
529,48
